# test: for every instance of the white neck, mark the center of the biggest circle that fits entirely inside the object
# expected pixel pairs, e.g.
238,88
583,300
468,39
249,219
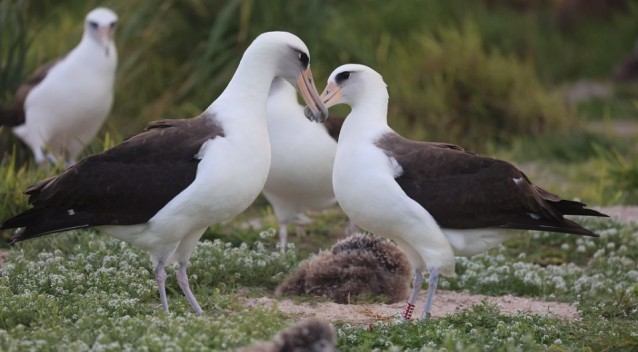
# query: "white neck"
369,115
247,91
96,55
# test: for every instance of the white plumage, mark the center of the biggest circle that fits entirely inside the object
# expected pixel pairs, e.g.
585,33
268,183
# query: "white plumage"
64,112
394,187
300,177
161,189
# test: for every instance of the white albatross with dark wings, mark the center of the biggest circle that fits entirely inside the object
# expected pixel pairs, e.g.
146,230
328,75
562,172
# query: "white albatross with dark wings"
435,200
162,188
60,109
303,153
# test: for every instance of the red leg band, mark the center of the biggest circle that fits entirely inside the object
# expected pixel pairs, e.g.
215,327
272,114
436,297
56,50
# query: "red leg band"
407,312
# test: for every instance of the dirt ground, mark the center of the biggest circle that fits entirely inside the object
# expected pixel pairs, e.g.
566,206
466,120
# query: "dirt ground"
445,303
624,214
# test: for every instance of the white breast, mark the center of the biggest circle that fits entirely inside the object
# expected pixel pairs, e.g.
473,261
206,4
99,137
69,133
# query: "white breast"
69,106
366,190
303,153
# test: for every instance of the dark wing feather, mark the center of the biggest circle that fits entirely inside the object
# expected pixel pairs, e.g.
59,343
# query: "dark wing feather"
463,191
333,126
125,185
15,116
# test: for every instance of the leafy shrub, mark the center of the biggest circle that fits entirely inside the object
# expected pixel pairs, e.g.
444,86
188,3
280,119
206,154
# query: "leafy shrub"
571,146
15,179
13,46
455,90
623,172
13,50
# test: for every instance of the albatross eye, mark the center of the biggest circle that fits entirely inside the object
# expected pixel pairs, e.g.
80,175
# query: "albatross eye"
304,59
342,76
93,24
113,24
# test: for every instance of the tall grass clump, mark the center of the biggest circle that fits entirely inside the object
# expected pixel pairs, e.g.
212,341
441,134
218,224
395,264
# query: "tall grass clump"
13,46
15,179
16,175
13,51
457,90
623,172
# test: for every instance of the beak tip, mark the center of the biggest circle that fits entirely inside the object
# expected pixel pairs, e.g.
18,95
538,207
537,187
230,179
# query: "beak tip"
308,113
319,116
324,113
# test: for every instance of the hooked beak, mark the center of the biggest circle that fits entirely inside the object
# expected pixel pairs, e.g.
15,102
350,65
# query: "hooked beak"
315,111
104,35
331,96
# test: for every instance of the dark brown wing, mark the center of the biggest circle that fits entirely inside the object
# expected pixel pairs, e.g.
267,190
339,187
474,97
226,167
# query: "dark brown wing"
15,115
464,191
125,185
333,126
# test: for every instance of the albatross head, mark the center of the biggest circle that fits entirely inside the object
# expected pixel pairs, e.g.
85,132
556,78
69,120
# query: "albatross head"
100,26
352,83
291,58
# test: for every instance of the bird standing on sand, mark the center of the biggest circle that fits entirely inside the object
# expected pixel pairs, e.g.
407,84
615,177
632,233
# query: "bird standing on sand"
435,200
162,188
58,111
300,177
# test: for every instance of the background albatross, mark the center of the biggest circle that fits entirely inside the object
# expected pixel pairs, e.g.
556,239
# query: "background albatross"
303,153
61,107
160,189
435,200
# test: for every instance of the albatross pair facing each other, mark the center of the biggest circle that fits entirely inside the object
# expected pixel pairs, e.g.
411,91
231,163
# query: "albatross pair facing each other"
59,110
161,189
435,200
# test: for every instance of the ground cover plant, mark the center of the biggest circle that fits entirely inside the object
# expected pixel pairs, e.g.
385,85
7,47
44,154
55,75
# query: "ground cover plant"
89,291
489,75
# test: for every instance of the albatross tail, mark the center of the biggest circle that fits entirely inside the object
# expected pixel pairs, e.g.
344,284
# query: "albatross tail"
38,222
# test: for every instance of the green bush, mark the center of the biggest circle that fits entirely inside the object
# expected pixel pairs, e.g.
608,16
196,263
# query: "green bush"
13,46
623,172
455,90
13,50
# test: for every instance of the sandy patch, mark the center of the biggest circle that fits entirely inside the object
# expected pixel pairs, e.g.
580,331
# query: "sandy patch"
622,213
445,303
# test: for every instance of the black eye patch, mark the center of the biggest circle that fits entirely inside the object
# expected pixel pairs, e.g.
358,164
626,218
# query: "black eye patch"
93,24
304,59
342,76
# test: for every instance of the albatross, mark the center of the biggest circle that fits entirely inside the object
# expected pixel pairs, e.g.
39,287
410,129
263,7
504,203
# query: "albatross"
58,111
435,200
161,189
300,177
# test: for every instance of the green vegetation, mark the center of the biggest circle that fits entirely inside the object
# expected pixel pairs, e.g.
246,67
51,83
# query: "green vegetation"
489,75
13,43
88,291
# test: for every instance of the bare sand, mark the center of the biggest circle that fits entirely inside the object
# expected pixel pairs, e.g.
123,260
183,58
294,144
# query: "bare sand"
445,303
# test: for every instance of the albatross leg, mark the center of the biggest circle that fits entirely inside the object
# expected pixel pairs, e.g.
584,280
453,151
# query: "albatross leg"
182,281
160,277
432,283
52,158
416,287
283,235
